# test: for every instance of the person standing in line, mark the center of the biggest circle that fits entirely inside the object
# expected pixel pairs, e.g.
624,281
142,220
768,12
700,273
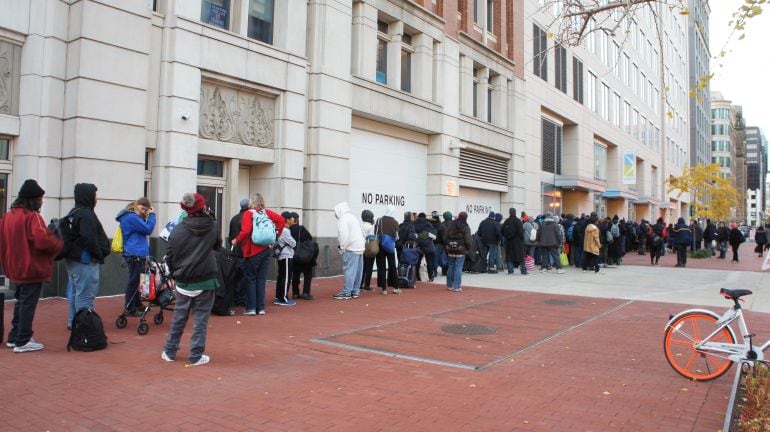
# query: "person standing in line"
304,270
387,274
709,235
489,231
190,257
351,246
458,242
735,238
723,234
682,241
137,221
513,232
425,236
284,253
549,238
239,297
529,226
439,242
27,250
84,250
256,257
657,240
760,237
591,245
367,229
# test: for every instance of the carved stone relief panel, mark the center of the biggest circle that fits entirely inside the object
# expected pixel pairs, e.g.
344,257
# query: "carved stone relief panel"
236,116
10,60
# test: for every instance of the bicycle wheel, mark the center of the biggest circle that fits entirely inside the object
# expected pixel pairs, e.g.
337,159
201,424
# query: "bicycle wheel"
679,345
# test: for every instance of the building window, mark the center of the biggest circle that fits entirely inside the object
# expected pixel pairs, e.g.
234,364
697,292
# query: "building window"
592,81
147,172
406,63
5,149
382,52
540,51
261,20
210,168
551,146
490,16
560,71
3,193
605,102
577,80
489,104
216,13
476,11
475,95
600,161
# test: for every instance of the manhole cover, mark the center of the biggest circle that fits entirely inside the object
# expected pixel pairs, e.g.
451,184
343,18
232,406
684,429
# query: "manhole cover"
468,329
558,302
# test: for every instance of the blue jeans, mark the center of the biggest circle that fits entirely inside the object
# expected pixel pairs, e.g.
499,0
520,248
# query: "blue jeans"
85,285
200,306
493,257
454,275
552,255
353,269
255,273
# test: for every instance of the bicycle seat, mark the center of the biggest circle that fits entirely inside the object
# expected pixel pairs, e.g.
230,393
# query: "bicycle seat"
734,294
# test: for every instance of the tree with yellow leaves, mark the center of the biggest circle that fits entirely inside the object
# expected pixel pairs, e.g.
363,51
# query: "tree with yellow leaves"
711,195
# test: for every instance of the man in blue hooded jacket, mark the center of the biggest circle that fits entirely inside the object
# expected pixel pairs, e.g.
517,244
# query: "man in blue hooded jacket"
682,238
137,221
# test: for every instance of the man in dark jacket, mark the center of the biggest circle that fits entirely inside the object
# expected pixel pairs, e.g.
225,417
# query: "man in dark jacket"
387,228
27,249
239,298
549,239
489,231
85,250
513,232
709,235
723,234
405,232
440,247
458,242
682,238
190,257
304,270
696,235
425,236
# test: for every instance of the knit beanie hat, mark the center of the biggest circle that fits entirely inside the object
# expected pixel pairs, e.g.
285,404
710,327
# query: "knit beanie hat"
30,189
196,205
447,216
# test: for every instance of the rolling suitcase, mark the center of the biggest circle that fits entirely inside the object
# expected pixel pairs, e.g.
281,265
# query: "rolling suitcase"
407,276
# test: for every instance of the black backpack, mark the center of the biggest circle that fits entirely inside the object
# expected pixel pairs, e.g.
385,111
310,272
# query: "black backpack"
64,229
87,332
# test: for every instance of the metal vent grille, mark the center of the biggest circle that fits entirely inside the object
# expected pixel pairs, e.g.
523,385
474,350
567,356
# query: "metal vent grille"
552,135
483,167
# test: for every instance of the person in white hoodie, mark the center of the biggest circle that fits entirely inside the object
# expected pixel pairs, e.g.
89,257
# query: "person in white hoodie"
351,246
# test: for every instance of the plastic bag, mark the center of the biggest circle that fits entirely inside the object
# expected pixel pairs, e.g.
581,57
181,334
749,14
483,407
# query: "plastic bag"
117,241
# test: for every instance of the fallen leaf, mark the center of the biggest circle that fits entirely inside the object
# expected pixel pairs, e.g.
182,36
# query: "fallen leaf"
684,389
605,393
472,386
237,322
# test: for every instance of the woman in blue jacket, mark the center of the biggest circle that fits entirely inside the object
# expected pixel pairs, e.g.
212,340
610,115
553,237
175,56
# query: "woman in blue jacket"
137,221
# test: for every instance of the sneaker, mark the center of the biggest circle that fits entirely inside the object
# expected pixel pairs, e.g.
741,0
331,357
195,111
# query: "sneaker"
355,295
560,271
165,357
396,290
367,289
261,312
341,296
201,361
11,344
285,303
384,292
28,347
306,297
250,312
457,290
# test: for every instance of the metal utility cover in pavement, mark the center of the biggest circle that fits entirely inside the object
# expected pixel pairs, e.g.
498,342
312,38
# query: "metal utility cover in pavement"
468,329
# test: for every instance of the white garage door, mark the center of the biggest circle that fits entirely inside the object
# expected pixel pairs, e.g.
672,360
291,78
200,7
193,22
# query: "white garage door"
386,171
478,203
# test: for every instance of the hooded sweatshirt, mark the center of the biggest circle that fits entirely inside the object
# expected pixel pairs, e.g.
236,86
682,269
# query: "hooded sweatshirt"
190,251
27,246
87,232
135,231
349,234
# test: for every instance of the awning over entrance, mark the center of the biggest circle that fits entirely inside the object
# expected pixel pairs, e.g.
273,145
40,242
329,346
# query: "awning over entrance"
615,193
579,183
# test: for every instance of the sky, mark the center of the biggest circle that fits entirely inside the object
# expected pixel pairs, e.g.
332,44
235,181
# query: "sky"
743,75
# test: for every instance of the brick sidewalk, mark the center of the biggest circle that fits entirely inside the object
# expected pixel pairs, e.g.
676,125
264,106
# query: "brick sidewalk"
554,363
749,261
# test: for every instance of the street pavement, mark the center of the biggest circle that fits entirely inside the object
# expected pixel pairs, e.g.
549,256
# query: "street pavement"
547,352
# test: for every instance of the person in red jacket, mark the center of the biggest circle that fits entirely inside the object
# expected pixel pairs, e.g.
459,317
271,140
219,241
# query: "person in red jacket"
27,249
256,257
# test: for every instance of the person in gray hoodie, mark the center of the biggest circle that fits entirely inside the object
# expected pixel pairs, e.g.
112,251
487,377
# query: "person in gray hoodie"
549,238
351,246
284,253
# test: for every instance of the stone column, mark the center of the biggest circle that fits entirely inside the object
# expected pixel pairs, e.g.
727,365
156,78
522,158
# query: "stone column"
466,85
499,87
422,66
364,61
395,30
481,93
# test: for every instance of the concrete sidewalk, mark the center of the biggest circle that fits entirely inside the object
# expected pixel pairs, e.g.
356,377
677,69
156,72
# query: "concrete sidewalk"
546,352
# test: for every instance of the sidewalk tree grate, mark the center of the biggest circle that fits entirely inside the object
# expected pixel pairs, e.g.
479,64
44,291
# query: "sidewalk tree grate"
559,302
468,329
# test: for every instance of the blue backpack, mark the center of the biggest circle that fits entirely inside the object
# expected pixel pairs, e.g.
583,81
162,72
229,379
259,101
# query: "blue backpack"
262,229
571,232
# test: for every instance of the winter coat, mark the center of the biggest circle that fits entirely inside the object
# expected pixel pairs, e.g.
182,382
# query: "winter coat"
425,235
528,227
513,232
243,239
367,229
406,232
135,231
697,232
735,237
459,229
549,235
386,225
190,251
87,232
760,237
723,233
27,246
591,242
489,231
349,233
710,233
441,232
681,233
235,229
